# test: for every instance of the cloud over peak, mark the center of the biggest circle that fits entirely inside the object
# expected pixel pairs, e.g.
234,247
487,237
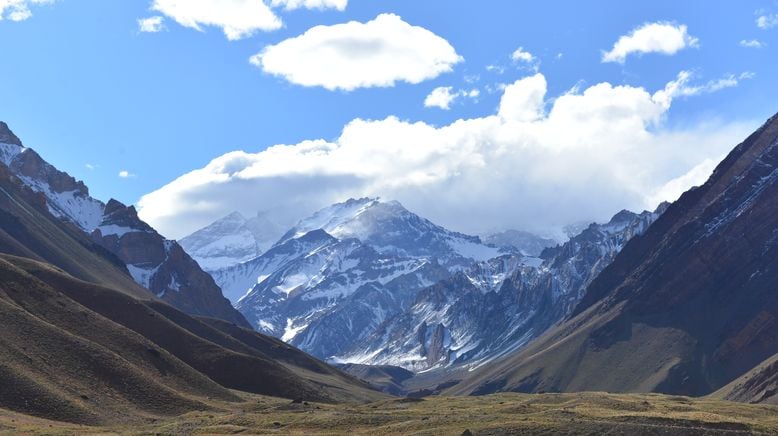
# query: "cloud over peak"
539,163
661,37
378,53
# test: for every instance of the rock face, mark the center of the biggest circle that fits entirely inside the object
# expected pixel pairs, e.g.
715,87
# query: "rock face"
155,263
684,309
498,306
162,266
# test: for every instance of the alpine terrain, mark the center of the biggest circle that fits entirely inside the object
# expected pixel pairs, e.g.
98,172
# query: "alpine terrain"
687,308
155,263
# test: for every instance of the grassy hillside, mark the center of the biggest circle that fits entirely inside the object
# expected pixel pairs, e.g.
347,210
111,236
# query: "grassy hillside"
585,413
78,352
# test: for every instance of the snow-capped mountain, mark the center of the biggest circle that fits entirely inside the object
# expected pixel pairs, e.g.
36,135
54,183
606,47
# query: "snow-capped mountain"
497,306
391,229
524,242
386,227
334,277
155,263
231,240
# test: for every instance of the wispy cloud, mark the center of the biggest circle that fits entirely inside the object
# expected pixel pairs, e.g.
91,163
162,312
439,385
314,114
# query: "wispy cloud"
752,43
443,96
767,21
525,59
124,174
151,24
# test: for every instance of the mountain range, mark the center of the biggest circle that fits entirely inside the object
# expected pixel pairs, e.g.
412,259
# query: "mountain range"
84,342
104,319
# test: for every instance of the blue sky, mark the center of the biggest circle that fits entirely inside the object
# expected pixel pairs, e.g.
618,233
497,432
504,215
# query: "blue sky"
96,96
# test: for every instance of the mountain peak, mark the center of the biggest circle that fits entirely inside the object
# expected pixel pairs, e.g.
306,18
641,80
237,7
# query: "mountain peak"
7,136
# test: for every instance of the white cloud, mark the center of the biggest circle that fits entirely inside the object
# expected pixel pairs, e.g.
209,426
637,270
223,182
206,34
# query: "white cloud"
525,59
767,21
680,87
520,55
311,4
237,18
443,96
151,24
19,10
540,163
353,55
665,38
124,174
752,43
524,99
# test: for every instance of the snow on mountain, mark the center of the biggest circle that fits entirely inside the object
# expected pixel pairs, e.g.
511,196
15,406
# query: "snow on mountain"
336,275
66,198
390,228
498,306
231,240
155,263
524,242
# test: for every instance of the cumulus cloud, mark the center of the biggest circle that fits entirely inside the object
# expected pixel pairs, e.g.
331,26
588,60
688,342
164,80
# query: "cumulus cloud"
237,18
18,10
311,4
151,24
664,38
539,163
767,21
443,96
124,174
752,43
354,55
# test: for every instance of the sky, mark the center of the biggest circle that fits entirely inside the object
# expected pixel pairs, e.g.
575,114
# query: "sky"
480,116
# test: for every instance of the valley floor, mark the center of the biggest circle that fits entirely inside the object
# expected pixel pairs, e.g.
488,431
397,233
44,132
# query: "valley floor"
584,413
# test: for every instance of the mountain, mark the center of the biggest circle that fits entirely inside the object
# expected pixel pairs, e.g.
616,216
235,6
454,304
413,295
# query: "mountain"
686,308
83,342
335,276
154,262
161,265
393,230
231,240
497,306
525,243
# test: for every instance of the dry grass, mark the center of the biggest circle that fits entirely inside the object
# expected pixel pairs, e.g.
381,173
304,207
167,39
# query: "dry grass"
584,413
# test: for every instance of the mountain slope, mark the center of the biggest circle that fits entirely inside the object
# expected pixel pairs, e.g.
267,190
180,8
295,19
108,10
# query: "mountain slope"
760,385
80,352
684,309
497,306
160,265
